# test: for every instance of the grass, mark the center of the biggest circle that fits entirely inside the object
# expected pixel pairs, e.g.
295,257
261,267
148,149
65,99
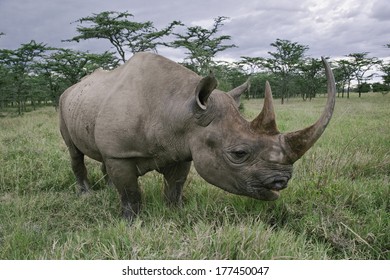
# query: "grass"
337,205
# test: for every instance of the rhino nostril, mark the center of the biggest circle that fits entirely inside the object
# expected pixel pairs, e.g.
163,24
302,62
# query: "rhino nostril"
279,184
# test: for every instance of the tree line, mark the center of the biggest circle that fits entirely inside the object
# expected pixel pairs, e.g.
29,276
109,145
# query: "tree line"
36,74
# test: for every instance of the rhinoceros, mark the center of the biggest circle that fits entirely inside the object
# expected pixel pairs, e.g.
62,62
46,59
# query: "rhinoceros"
153,114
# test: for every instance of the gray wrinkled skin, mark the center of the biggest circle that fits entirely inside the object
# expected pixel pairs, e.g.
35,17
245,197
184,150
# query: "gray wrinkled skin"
153,114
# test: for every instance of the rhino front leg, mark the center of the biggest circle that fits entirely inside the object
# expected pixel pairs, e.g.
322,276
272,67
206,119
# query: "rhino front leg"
174,179
123,175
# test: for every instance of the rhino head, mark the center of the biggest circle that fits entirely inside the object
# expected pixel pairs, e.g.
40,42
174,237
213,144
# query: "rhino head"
248,158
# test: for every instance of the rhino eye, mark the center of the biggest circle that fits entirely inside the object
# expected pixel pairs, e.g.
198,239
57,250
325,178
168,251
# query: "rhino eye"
238,156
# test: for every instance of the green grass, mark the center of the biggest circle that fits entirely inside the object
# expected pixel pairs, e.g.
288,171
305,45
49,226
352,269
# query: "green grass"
337,205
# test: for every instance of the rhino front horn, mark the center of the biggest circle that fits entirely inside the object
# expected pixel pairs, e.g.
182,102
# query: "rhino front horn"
298,142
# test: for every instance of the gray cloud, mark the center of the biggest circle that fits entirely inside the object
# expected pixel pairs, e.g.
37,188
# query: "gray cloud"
381,11
330,27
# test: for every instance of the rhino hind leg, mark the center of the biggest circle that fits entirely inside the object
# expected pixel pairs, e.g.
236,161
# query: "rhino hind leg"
174,178
106,177
77,162
81,173
124,177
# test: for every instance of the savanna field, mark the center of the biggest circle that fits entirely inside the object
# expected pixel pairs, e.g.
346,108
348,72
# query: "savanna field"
337,205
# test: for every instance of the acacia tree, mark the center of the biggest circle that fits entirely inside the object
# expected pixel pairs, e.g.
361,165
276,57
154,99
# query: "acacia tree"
385,68
285,63
361,64
386,76
229,75
344,75
254,67
19,65
4,85
249,64
3,81
123,34
311,77
62,68
202,44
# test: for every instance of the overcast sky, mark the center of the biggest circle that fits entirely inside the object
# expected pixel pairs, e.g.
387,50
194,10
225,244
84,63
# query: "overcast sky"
328,27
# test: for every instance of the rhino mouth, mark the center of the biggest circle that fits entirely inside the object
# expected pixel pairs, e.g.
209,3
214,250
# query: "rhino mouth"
268,189
262,193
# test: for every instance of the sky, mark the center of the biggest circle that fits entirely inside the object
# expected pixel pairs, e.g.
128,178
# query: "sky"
332,28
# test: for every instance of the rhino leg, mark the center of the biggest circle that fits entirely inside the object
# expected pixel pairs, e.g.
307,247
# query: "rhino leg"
106,177
80,171
78,165
123,174
174,179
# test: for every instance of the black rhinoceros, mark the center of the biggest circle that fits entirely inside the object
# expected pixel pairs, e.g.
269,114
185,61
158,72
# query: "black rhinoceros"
154,114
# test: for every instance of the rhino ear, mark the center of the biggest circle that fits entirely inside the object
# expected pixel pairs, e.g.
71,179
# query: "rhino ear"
238,91
204,89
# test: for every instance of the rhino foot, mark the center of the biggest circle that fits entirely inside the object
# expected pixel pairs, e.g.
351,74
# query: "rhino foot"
83,184
130,211
84,191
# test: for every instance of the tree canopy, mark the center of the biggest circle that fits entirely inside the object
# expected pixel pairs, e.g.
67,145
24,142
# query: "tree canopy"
36,73
202,44
124,34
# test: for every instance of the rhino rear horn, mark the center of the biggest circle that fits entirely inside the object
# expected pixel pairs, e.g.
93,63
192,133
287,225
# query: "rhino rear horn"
298,142
265,122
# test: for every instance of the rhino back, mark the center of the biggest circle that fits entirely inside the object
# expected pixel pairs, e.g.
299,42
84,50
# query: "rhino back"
144,111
